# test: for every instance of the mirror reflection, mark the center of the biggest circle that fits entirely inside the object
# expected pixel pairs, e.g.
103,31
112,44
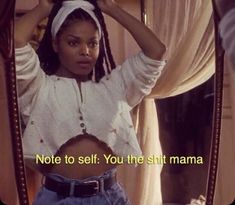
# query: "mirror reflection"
185,130
75,106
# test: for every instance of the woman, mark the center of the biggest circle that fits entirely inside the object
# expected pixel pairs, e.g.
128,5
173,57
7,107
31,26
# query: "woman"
78,105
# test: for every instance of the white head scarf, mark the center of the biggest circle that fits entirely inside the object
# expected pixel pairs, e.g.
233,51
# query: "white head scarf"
67,8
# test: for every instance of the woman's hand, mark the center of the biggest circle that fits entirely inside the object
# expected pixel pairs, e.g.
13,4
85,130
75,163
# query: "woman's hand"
107,6
153,47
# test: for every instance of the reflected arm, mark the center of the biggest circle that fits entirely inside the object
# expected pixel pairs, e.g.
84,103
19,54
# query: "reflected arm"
25,25
146,39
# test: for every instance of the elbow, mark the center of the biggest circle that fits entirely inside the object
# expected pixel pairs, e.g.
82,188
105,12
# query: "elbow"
158,52
155,49
161,51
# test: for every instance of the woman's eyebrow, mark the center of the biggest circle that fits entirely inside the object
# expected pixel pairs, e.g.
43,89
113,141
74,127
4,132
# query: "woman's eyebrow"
78,38
94,38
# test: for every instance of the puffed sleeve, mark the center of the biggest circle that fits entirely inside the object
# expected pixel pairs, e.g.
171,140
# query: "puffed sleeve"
29,76
135,78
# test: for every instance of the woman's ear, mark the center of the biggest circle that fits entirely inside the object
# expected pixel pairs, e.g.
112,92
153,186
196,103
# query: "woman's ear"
55,45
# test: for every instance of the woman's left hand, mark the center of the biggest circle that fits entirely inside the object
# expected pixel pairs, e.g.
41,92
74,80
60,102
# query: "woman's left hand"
107,6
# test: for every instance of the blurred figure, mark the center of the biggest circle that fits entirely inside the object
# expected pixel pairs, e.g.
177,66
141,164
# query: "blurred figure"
226,10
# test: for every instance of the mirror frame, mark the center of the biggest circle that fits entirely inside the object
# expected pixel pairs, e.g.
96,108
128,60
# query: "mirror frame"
7,13
7,51
216,129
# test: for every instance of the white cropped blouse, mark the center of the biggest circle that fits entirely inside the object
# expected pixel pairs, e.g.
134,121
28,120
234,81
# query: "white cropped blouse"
53,111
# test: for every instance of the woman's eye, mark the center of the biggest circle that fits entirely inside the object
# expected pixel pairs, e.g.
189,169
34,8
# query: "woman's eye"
73,43
93,44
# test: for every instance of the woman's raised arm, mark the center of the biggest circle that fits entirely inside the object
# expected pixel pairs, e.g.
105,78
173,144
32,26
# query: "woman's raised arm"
25,25
146,39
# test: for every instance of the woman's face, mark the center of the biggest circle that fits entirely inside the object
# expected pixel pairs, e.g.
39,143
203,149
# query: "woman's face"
77,47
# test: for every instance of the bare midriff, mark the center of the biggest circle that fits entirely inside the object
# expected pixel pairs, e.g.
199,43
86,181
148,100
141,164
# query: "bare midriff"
88,153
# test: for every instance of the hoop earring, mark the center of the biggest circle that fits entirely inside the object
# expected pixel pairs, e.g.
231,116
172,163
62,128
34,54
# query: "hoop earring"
93,74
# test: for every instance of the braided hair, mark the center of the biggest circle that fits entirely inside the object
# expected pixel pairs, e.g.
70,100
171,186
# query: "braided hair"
48,57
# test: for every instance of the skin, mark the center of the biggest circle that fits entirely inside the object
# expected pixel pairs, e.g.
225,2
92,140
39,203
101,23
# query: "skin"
74,46
83,146
78,49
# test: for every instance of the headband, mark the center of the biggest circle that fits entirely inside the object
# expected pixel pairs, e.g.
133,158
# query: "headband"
67,8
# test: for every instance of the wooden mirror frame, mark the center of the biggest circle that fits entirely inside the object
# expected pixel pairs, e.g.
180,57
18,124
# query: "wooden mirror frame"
7,52
7,12
219,70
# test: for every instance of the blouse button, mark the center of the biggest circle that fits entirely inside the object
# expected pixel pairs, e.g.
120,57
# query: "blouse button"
32,122
81,118
82,125
41,140
84,131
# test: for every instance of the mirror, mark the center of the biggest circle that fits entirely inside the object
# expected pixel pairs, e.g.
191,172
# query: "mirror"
185,123
12,176
177,138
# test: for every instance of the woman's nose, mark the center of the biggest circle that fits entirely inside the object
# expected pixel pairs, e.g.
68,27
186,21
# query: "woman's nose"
84,49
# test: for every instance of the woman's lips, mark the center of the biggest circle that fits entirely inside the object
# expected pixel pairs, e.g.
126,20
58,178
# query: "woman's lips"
84,64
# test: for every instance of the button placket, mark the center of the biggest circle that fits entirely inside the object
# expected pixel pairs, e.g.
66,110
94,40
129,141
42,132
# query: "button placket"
81,96
82,123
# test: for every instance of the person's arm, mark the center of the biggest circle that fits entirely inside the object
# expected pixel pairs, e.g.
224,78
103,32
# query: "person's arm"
226,9
25,25
146,39
224,6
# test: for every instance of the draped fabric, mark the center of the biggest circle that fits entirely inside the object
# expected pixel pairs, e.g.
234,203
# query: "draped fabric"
186,27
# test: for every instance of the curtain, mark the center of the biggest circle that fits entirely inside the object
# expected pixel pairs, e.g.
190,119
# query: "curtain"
186,27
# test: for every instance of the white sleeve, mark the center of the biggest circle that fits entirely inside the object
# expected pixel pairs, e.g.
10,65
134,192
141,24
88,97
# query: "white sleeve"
227,32
135,78
29,76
